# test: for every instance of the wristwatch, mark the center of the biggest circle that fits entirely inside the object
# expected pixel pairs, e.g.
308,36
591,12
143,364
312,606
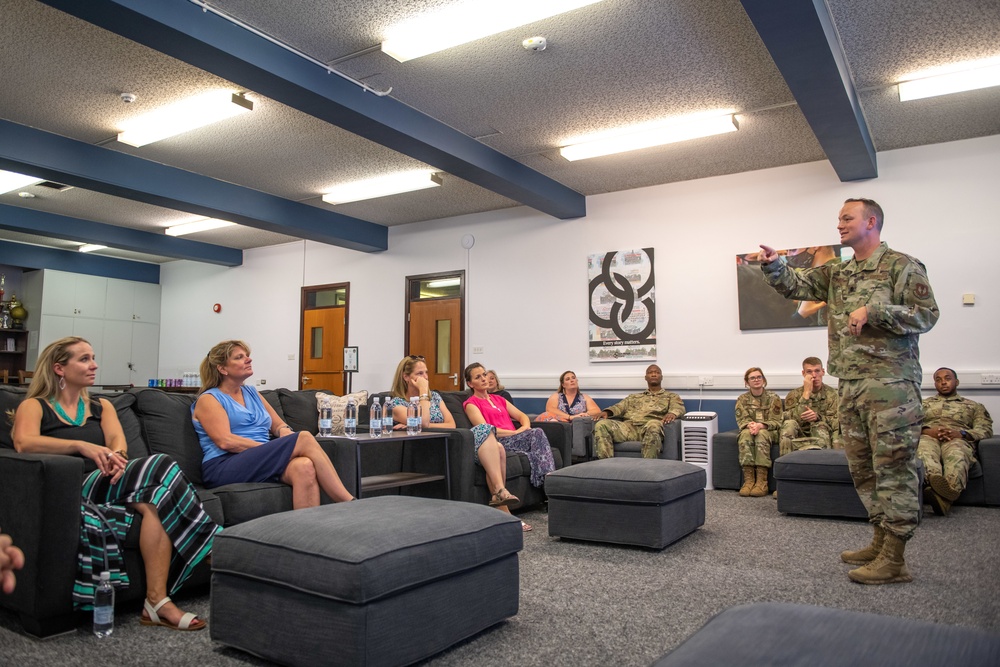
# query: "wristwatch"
964,434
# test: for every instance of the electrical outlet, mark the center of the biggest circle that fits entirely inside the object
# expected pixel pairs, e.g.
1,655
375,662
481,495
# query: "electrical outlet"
291,357
990,378
263,382
705,380
477,349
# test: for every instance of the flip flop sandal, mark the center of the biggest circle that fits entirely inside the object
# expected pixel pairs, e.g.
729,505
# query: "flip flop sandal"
186,620
526,527
499,501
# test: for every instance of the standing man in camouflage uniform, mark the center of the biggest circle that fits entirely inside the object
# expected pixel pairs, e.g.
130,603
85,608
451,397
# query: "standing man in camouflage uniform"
643,418
880,302
810,418
953,426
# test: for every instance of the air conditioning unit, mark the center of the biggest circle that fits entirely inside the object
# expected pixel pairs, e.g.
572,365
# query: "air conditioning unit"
697,431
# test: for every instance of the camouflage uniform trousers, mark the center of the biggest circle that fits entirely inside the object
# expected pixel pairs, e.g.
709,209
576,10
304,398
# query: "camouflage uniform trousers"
951,459
813,435
609,431
755,450
880,426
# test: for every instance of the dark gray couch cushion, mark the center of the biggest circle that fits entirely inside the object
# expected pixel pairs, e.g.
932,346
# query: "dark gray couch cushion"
167,428
814,465
653,481
245,502
453,400
10,398
125,408
272,398
333,551
798,635
299,409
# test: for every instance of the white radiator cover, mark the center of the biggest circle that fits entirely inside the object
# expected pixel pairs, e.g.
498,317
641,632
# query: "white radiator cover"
697,431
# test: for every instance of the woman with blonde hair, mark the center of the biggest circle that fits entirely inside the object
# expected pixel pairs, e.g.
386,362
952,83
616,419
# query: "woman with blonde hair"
758,415
244,439
411,381
58,417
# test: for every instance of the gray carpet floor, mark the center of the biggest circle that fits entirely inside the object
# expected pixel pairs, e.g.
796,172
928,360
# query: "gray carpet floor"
593,604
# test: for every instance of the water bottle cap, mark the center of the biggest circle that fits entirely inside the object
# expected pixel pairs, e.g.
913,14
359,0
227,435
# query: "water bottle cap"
105,576
375,400
350,399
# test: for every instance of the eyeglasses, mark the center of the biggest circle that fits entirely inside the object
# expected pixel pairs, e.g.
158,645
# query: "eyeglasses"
755,377
415,357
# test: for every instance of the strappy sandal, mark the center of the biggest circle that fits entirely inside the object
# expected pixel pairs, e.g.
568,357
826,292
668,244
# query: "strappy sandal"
526,527
500,501
186,620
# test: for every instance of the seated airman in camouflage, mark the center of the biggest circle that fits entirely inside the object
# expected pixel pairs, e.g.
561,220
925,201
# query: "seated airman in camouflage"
952,428
810,419
643,416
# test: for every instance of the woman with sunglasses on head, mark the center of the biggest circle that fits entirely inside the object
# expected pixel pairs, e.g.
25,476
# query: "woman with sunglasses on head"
411,381
58,417
758,415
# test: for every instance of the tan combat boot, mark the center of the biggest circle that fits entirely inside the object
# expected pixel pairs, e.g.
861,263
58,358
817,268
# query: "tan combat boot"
888,568
748,478
943,488
940,505
869,553
759,489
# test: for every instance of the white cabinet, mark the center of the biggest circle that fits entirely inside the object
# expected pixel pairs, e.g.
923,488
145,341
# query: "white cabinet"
127,300
120,319
73,294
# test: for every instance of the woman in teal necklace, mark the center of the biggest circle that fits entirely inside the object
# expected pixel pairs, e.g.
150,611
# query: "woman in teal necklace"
58,417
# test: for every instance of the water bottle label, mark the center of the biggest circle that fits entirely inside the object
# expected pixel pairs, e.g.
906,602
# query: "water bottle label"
412,422
350,423
375,425
104,615
326,424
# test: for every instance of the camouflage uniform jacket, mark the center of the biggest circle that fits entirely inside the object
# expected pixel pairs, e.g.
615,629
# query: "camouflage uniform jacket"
900,303
639,408
765,409
823,402
960,413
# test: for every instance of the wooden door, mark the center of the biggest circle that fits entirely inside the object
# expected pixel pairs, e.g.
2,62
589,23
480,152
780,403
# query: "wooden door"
323,337
435,332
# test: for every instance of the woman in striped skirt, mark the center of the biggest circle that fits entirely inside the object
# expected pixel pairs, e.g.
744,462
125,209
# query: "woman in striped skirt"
58,417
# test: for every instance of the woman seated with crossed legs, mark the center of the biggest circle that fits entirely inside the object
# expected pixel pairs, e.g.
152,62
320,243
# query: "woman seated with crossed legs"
411,381
244,439
58,417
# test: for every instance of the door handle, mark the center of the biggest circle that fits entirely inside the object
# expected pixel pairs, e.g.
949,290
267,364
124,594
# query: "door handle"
306,380
454,379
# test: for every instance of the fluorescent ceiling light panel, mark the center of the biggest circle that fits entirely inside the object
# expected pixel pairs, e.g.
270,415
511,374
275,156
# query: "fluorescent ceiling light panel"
183,116
10,181
951,82
445,282
194,226
91,247
381,186
649,136
467,21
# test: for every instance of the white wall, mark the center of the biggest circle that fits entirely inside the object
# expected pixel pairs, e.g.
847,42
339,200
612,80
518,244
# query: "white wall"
527,277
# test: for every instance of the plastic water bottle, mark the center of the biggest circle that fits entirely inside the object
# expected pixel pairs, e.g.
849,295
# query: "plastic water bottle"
387,420
413,417
375,419
104,606
326,422
351,418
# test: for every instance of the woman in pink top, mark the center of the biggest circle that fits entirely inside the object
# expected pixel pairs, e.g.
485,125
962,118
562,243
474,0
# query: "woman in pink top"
486,408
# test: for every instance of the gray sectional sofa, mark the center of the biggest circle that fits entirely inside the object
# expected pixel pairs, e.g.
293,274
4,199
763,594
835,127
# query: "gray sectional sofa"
39,505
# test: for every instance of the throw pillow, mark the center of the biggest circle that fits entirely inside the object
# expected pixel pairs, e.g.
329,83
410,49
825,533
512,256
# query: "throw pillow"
337,404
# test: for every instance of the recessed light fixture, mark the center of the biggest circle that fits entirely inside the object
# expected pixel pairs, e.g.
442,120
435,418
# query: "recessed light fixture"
10,181
382,186
25,195
467,21
183,116
651,134
202,225
950,79
91,247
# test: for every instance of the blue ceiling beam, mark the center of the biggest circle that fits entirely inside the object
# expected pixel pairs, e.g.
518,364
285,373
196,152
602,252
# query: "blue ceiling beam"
15,218
184,31
34,152
36,257
804,45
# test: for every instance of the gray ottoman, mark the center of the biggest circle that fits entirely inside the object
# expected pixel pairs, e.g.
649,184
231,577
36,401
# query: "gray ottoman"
818,482
798,635
383,581
648,502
